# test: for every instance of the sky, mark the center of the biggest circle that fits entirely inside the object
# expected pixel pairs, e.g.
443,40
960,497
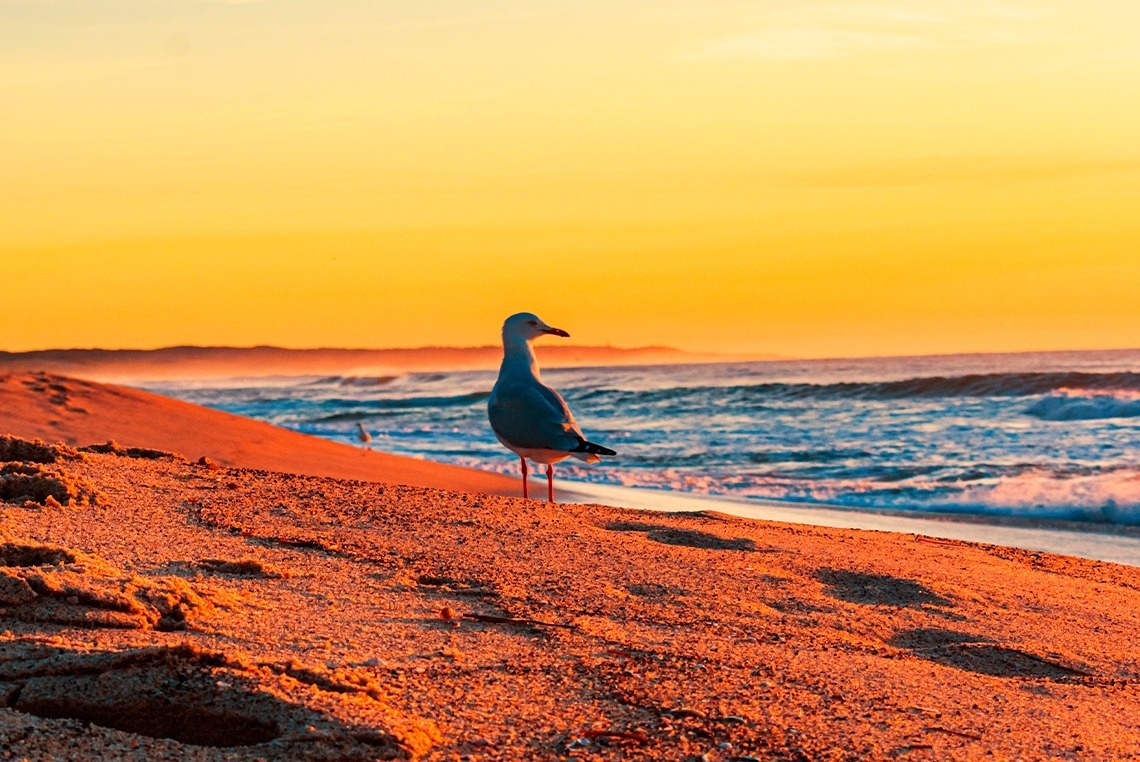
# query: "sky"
802,178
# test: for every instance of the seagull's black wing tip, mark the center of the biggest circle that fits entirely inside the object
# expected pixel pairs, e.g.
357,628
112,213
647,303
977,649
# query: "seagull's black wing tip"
592,449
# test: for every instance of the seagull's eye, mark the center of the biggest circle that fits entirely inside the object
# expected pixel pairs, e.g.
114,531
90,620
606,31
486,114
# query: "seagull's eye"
533,322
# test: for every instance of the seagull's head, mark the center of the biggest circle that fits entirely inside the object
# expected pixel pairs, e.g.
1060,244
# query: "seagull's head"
527,326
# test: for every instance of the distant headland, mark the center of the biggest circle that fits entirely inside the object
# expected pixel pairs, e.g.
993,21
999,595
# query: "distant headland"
199,362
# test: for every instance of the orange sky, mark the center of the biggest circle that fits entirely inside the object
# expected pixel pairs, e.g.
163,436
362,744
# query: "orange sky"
811,179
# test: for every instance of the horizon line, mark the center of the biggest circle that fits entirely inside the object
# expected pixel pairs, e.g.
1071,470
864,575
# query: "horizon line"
757,356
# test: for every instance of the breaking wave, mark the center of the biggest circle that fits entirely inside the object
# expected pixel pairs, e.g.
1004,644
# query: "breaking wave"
354,381
1083,405
974,385
355,410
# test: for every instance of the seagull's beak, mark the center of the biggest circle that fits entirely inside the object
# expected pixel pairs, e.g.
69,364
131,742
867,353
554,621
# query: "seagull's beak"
556,332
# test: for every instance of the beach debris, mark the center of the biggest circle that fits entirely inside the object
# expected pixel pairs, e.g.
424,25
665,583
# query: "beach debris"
937,540
492,619
244,567
111,447
206,462
950,731
616,735
1062,667
683,712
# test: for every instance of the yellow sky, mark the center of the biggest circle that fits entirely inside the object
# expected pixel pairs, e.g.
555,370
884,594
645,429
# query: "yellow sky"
808,178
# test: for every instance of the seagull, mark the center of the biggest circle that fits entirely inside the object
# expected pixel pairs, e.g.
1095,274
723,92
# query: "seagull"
364,437
528,417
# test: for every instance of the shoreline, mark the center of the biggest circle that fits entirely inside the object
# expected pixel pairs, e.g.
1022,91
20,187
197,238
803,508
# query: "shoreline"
1099,542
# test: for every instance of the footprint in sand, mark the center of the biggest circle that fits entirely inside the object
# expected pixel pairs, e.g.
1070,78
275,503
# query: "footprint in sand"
981,655
45,583
689,538
879,589
198,698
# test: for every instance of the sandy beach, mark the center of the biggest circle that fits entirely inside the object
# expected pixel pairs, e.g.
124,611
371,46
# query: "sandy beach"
291,598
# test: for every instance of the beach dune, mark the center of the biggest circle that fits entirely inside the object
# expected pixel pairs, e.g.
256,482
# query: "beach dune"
80,412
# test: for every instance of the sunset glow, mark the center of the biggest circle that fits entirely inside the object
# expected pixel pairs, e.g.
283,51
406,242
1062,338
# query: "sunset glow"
809,179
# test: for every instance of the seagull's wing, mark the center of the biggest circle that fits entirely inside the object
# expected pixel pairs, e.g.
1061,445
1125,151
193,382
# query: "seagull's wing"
532,416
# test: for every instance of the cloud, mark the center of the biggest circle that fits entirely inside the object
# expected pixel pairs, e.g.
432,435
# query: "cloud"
828,31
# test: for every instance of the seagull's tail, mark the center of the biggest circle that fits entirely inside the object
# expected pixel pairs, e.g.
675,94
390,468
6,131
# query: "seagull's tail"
590,452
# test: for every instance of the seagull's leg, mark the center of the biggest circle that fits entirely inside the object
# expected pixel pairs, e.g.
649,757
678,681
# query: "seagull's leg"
550,481
526,491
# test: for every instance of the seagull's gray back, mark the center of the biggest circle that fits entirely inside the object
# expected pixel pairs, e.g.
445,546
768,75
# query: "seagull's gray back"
526,413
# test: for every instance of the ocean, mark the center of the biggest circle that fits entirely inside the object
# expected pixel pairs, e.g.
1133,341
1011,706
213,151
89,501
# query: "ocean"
1042,435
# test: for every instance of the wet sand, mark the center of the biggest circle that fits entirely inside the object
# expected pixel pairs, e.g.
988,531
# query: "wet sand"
1099,542
156,608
